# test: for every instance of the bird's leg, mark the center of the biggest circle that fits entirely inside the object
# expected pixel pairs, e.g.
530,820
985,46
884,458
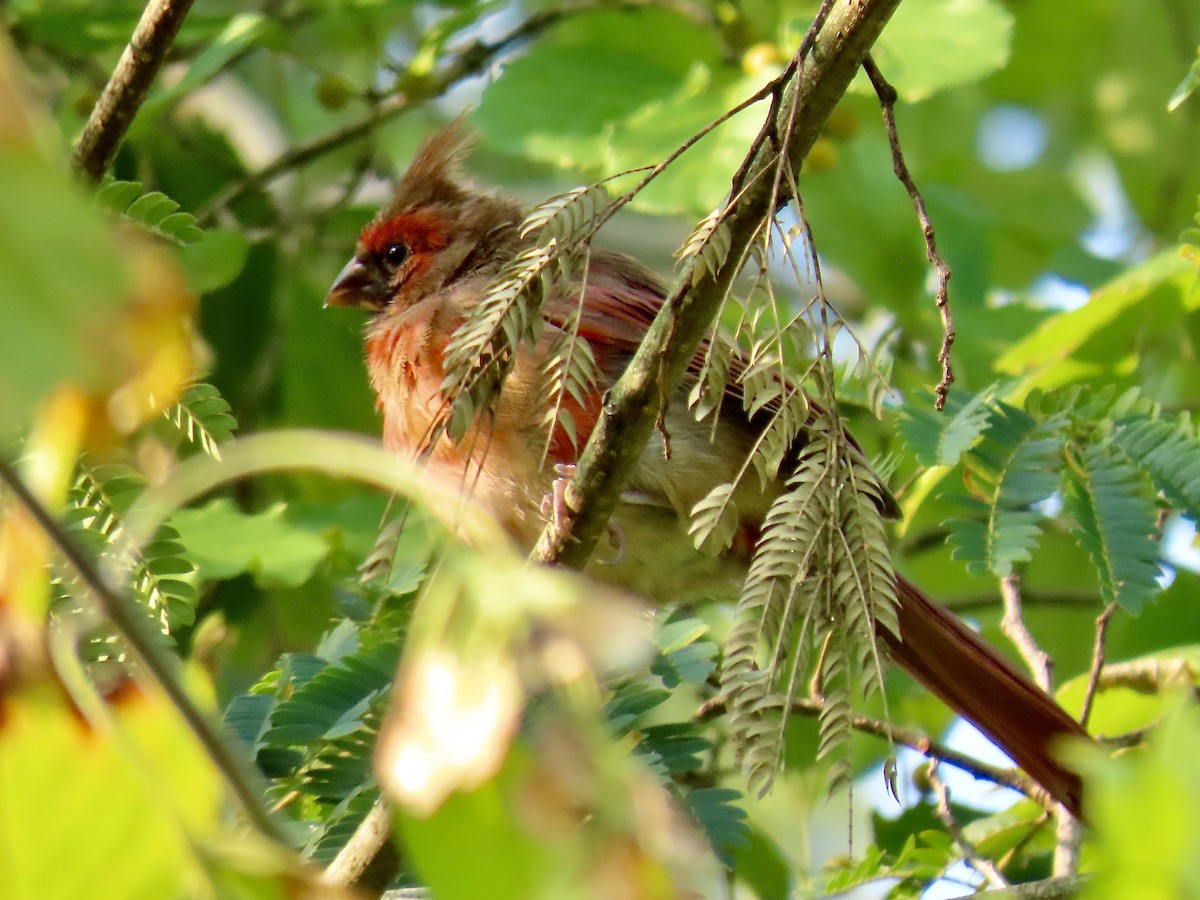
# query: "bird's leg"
555,508
554,504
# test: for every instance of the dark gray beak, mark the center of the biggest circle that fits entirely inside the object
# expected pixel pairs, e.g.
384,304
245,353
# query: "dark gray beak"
358,284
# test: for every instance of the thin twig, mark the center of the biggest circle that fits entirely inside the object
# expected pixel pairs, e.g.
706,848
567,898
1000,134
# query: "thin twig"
1013,626
1150,676
887,101
971,854
907,737
1066,830
470,60
127,88
132,627
1089,695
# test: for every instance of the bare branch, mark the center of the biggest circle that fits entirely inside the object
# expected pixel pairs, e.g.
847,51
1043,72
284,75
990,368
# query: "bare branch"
1089,696
363,849
887,101
1067,831
1001,776
1051,889
971,855
127,88
1013,626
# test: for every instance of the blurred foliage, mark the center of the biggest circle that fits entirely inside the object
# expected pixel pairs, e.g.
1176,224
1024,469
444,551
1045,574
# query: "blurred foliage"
148,319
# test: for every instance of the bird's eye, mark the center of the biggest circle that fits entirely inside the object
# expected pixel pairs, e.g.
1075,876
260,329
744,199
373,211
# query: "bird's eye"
396,254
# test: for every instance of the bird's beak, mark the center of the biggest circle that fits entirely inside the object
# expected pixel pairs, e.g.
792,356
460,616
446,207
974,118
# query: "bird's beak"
356,285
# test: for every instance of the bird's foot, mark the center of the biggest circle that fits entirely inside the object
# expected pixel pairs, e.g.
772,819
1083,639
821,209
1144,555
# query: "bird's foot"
555,509
554,504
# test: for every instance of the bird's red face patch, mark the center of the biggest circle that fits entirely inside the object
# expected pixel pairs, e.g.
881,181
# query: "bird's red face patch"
421,232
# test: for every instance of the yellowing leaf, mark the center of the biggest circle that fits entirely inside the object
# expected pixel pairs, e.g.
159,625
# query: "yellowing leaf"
147,785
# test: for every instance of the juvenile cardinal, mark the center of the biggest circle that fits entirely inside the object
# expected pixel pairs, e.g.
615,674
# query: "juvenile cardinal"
434,253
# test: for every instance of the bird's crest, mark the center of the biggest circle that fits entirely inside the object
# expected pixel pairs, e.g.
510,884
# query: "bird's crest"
436,171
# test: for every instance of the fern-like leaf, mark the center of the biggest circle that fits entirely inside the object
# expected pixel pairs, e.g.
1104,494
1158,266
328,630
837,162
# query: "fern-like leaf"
1168,451
482,350
683,658
153,211
160,575
1014,466
1115,522
333,701
564,218
203,418
708,393
723,822
711,241
569,374
940,439
821,574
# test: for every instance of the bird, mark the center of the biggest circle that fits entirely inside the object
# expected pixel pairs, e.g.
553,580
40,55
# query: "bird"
434,253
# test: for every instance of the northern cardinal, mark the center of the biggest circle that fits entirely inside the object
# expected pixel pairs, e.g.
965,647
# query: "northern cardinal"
433,253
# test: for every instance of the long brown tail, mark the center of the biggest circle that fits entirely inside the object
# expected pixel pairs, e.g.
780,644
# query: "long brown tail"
937,649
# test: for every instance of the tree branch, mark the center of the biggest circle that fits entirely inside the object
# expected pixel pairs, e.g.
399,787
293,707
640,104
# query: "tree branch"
1013,626
363,851
1097,666
1002,776
628,418
1066,831
971,854
470,60
1051,889
887,101
127,88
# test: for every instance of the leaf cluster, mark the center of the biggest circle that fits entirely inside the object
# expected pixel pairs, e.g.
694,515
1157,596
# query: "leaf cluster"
1106,466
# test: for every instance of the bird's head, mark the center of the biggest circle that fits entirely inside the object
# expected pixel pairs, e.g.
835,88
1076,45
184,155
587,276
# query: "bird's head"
437,231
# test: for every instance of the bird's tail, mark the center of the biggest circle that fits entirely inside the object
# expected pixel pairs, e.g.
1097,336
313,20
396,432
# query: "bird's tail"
941,652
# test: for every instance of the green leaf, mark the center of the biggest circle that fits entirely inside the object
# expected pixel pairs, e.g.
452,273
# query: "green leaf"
1187,87
630,701
724,823
214,260
1148,690
1051,352
154,211
1143,806
225,542
560,100
1015,466
142,774
931,45
1116,522
333,701
699,180
1168,451
941,438
203,417
244,32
